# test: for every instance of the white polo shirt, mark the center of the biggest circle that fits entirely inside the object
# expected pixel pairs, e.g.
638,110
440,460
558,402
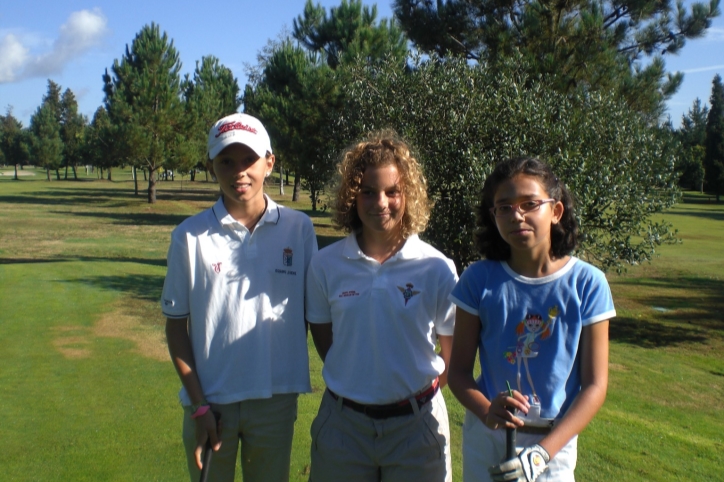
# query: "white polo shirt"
244,296
384,318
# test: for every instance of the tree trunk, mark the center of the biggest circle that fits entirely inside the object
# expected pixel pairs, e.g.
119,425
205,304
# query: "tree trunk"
47,172
57,174
281,179
287,182
16,172
151,187
110,173
297,187
313,196
66,172
75,172
100,173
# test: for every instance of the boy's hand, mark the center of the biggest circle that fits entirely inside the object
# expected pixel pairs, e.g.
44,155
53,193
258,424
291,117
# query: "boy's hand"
526,467
207,428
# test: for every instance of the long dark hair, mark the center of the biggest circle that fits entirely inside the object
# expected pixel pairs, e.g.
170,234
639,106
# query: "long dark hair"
564,234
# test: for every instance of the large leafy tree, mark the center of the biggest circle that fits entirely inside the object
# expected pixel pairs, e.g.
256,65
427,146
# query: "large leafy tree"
143,100
463,119
212,93
714,156
348,31
13,141
594,45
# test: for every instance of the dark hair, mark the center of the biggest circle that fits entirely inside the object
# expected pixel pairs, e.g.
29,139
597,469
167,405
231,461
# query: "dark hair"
564,234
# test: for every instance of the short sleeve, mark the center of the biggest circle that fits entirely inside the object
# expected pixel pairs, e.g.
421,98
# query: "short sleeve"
318,309
597,301
468,291
175,294
445,316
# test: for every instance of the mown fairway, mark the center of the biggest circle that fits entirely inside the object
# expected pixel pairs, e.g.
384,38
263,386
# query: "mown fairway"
88,392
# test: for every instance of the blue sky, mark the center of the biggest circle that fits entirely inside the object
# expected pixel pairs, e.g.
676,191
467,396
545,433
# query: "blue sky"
72,42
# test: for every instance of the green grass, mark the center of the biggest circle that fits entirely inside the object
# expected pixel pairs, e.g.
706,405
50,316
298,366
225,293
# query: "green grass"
88,393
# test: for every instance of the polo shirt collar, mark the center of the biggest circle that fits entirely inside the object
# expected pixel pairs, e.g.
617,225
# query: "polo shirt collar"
271,215
412,249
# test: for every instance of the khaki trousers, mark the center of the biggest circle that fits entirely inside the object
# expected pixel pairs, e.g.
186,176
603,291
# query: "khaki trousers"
349,446
265,428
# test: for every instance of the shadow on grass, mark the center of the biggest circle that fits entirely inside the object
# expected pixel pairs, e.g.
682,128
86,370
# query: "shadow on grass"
323,241
141,286
697,198
703,214
647,334
134,219
148,261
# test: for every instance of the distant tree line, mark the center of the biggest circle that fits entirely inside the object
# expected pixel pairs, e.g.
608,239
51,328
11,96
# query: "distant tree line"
580,84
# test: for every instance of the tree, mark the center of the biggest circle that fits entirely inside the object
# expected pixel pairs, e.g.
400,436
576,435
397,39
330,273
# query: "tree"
47,146
142,97
211,94
72,131
714,156
13,141
463,119
349,31
591,45
692,138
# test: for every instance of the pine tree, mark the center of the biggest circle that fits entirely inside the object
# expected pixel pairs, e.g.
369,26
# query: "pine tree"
350,30
714,157
13,141
589,45
47,146
212,93
692,138
72,131
143,101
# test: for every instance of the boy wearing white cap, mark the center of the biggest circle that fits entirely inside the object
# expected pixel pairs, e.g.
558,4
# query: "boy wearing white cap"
234,305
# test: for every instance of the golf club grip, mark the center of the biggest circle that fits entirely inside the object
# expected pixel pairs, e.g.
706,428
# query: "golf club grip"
208,451
510,452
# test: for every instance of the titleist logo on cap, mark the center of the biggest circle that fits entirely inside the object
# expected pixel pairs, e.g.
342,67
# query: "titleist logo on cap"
232,126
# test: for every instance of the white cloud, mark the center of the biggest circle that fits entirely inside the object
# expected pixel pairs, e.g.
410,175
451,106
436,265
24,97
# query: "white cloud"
715,34
704,69
13,55
82,31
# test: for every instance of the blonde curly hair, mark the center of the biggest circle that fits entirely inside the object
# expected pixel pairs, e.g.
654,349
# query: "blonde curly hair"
380,148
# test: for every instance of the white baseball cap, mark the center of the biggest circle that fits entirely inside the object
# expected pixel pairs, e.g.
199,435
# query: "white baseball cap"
238,129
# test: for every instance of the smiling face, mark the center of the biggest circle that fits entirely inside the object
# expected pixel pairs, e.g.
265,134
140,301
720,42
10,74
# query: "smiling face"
240,173
526,232
381,201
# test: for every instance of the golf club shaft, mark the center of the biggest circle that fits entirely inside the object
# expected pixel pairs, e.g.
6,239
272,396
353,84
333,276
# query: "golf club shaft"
510,452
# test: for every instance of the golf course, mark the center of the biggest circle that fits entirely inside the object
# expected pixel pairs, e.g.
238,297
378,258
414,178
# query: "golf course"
88,392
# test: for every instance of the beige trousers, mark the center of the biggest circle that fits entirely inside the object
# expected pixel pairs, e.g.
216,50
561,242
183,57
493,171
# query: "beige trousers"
265,428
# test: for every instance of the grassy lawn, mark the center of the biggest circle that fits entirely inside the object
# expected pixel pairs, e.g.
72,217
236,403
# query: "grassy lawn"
88,393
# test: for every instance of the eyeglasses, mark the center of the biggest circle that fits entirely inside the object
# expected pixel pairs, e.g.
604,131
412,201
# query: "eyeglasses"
522,207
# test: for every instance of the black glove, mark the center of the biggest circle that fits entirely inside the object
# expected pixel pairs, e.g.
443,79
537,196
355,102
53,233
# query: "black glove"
526,467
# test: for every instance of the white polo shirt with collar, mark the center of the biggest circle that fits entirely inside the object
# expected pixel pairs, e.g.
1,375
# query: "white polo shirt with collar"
244,296
384,318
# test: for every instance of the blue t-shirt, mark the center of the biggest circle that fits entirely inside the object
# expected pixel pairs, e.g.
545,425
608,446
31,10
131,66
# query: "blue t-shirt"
531,327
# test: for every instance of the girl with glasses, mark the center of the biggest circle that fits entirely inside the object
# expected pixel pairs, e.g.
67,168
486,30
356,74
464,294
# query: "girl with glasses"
538,318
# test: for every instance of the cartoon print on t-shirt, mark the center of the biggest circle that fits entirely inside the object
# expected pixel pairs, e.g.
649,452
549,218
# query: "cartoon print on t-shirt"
528,331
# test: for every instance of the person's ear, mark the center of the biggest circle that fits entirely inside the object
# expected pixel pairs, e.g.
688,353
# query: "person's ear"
558,211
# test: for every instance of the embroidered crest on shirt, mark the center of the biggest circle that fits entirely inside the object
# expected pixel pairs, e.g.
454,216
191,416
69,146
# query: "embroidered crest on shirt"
287,256
528,331
408,292
217,267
